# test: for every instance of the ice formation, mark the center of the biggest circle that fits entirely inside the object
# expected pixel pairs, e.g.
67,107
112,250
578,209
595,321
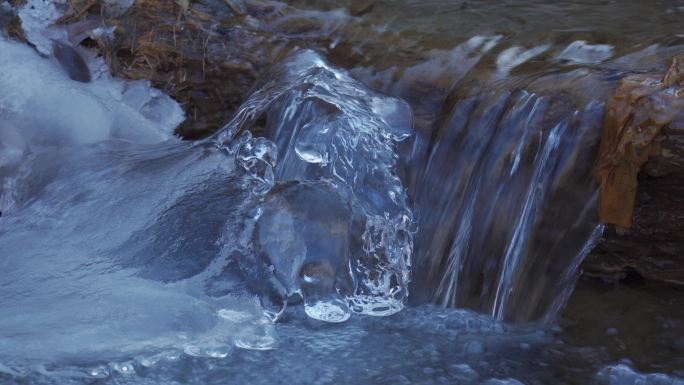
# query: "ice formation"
581,52
335,136
42,109
201,240
39,16
512,57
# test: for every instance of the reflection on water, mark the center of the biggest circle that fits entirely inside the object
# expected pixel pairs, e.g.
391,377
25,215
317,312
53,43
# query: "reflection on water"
639,322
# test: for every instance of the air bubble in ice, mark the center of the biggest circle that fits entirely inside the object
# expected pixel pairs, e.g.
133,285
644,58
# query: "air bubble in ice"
329,310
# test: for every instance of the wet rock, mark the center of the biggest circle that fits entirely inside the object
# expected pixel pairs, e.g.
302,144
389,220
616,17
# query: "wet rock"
652,247
71,61
361,11
653,141
641,107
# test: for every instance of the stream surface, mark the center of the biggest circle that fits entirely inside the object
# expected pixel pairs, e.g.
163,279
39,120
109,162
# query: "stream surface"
405,197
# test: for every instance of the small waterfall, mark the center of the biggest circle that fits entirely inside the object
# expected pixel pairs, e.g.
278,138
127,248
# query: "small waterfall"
506,203
500,172
503,189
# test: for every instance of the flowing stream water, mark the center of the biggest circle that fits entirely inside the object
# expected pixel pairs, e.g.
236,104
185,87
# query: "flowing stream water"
405,197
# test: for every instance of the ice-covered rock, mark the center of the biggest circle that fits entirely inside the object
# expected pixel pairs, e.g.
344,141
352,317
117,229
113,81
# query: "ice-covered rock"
329,127
581,52
515,56
38,19
118,240
50,109
43,109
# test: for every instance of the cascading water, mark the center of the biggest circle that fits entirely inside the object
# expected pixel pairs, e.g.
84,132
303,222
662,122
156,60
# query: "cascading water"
502,183
509,204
